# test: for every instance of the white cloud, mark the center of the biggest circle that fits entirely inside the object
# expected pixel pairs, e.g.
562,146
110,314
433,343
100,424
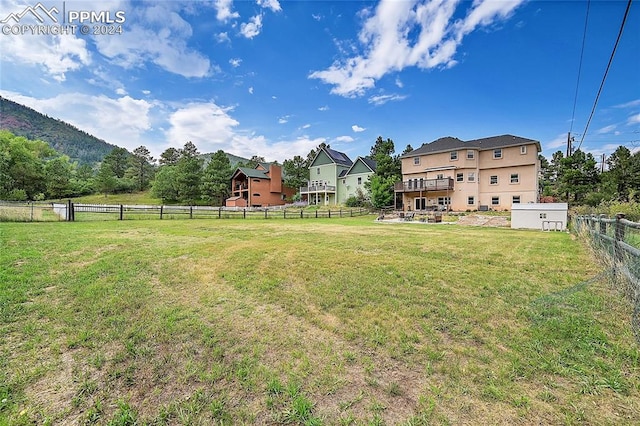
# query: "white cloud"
634,119
607,129
57,55
146,92
274,97
324,108
399,82
306,126
120,91
316,17
383,99
156,34
235,62
122,121
211,127
344,139
274,5
223,8
252,28
222,38
388,41
251,90
557,142
630,104
283,120
357,128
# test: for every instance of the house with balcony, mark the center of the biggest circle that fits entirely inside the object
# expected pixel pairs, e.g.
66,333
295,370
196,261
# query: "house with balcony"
333,177
261,186
482,174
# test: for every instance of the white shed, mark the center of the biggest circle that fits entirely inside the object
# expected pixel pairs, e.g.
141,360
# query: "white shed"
543,216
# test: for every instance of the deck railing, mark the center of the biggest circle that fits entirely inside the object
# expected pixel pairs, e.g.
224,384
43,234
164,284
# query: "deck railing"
411,185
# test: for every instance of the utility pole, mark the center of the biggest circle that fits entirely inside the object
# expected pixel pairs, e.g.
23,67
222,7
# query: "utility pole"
604,156
568,144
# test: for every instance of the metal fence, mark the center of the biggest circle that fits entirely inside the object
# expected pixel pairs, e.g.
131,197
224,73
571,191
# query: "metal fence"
617,242
70,211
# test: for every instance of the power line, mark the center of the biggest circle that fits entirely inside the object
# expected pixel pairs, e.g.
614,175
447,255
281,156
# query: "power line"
584,37
615,47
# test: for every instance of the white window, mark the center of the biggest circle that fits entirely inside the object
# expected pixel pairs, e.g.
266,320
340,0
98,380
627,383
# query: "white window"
543,215
359,181
515,178
470,154
471,177
440,176
516,199
444,201
318,171
459,177
497,153
454,155
523,149
471,200
495,201
416,161
493,180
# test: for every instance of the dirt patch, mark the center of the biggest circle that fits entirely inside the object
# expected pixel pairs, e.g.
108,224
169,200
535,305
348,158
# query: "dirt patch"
483,220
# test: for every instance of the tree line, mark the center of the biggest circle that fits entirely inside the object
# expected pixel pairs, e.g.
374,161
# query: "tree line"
32,170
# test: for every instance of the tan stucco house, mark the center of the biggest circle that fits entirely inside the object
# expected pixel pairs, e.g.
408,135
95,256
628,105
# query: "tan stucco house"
481,174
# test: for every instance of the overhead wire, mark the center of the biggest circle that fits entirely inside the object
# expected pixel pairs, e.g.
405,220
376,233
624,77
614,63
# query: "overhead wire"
606,72
584,37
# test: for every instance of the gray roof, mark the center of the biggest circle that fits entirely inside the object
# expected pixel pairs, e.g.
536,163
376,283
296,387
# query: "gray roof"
338,157
252,173
450,144
370,163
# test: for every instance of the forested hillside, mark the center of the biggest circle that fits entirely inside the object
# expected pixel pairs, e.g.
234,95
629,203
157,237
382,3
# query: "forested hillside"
63,137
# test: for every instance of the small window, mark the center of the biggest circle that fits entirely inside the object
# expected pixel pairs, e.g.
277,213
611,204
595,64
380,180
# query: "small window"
318,171
454,155
495,201
471,177
359,181
515,178
440,176
344,181
516,199
256,195
416,161
493,180
543,215
497,153
256,180
470,154
444,201
459,177
471,201
523,149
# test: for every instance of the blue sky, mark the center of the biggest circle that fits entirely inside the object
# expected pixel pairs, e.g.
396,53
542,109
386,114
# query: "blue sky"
277,78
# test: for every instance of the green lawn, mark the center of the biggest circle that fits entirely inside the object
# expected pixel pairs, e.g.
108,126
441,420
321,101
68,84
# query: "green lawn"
341,321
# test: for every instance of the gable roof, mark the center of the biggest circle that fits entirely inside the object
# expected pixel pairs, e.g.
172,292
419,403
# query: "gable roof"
252,173
368,162
337,157
450,144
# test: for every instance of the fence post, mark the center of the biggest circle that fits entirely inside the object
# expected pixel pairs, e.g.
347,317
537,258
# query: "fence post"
329,213
316,214
301,216
121,211
219,212
351,213
244,213
190,212
161,211
340,212
284,214
619,235
265,213
603,225
592,222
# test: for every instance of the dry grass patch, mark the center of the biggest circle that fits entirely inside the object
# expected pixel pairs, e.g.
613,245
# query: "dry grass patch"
308,322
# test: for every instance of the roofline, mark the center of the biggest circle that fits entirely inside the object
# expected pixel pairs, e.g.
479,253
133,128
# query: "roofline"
359,157
471,146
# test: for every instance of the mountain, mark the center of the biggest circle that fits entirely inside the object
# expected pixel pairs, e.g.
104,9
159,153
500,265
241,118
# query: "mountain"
63,137
233,159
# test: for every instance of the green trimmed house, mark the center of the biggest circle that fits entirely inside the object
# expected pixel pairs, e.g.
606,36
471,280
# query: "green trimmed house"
333,177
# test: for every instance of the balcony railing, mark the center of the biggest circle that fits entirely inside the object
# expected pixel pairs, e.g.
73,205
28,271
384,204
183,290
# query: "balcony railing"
317,188
445,184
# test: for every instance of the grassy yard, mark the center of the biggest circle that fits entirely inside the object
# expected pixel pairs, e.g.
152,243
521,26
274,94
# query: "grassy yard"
341,321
